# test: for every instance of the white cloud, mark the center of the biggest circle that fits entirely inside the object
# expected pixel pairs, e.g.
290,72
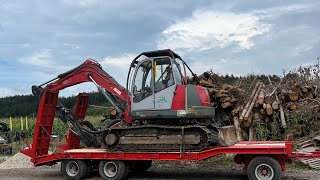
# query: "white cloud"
122,61
79,88
6,92
274,12
118,66
71,46
15,89
41,59
221,66
211,29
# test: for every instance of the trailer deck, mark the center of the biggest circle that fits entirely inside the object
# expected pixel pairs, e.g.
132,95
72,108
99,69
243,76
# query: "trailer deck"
241,148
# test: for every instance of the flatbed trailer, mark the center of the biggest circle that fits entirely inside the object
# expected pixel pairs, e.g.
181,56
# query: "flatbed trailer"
261,159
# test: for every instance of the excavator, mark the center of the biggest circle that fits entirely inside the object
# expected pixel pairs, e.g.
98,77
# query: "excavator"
157,110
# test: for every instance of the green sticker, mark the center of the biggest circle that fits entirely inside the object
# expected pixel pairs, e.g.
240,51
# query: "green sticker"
162,99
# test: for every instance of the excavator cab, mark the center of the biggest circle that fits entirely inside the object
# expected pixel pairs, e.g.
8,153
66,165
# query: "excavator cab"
154,83
159,89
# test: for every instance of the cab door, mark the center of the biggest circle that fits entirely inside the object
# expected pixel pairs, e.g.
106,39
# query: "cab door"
143,87
165,85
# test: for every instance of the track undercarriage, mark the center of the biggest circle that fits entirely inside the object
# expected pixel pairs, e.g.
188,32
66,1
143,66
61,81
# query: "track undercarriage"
161,137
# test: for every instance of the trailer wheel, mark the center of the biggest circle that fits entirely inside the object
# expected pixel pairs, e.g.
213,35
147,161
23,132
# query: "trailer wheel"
74,169
113,170
140,166
264,168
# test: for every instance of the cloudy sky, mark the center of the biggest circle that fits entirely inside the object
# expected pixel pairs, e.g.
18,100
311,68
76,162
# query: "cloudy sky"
41,39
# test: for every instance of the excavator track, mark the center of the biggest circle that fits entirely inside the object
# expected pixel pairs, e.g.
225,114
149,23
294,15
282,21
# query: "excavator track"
160,137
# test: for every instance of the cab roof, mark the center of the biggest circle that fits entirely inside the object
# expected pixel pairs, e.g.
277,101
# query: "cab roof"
158,53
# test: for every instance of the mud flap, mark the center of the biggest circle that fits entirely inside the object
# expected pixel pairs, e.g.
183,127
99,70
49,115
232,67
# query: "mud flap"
227,136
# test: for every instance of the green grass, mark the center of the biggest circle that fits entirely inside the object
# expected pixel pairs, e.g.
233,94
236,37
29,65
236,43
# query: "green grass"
223,159
59,128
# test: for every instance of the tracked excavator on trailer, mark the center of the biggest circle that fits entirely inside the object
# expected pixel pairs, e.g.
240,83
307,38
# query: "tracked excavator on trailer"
158,109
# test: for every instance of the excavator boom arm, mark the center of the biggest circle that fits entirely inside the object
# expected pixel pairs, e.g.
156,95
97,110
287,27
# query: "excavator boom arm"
80,74
91,71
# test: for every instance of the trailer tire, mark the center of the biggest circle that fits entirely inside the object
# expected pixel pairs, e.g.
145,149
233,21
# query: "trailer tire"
74,169
140,166
113,170
264,168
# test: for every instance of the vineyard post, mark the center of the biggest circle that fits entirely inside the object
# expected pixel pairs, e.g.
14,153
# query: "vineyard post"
21,123
10,122
27,126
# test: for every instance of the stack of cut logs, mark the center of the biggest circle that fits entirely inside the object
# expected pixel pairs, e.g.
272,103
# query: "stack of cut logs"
259,102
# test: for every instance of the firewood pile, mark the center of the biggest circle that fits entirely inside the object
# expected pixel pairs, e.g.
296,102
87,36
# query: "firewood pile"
261,109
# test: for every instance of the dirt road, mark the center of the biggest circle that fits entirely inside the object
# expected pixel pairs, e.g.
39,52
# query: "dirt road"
162,171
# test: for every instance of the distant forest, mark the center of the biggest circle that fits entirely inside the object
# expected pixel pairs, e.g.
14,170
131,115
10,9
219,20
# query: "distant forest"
27,105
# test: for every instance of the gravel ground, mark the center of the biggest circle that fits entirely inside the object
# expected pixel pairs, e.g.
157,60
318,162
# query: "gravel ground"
19,167
17,161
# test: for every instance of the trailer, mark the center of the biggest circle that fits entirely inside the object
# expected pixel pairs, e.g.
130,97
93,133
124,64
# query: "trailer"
261,160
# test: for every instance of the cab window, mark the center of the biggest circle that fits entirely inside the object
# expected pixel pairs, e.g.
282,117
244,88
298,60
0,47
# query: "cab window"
163,74
143,82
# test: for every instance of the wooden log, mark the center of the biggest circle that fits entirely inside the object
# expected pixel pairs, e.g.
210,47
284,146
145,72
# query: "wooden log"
269,109
292,106
297,88
237,90
309,95
226,104
101,107
245,109
205,83
256,104
275,105
261,97
236,110
315,109
248,121
305,89
268,100
253,101
225,99
293,96
238,128
256,117
252,134
282,117
282,97
113,112
233,100
226,86
221,93
284,92
212,90
263,112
